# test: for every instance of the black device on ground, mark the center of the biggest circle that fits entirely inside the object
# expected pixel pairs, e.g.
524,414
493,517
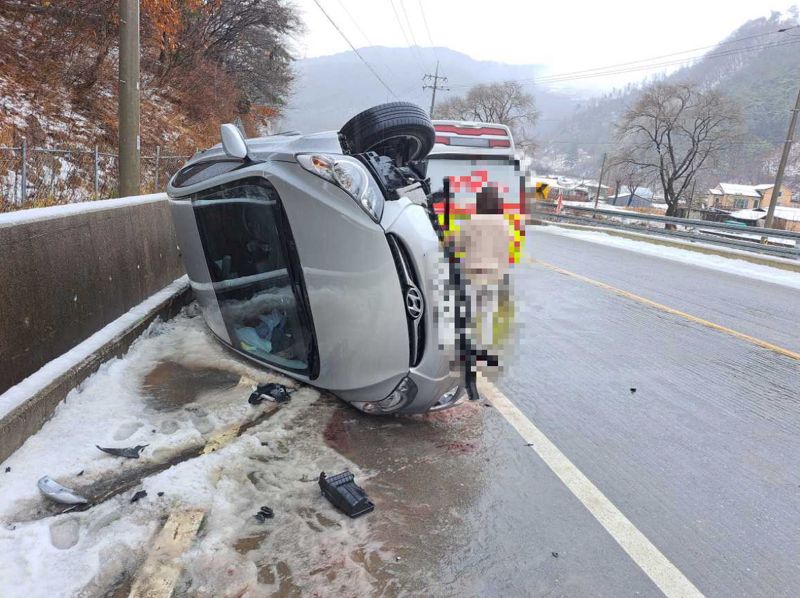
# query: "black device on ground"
344,494
272,391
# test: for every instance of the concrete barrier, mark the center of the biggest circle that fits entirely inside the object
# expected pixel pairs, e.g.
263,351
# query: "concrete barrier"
67,271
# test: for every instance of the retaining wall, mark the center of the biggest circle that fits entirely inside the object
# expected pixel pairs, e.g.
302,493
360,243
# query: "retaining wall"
67,271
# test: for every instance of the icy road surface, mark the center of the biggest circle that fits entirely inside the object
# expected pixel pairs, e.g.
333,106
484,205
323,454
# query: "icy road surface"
688,430
462,506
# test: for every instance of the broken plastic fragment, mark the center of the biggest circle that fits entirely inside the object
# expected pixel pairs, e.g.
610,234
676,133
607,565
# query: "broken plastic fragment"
344,494
265,513
61,494
271,391
131,452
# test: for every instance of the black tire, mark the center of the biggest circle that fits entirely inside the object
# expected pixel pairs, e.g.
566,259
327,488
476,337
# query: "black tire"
400,130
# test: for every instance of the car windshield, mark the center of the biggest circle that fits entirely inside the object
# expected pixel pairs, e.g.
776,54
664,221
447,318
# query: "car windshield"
253,272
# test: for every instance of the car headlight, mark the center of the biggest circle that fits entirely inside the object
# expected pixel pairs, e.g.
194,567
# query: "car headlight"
349,175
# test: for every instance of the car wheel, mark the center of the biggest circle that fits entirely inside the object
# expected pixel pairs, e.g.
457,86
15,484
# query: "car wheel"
399,130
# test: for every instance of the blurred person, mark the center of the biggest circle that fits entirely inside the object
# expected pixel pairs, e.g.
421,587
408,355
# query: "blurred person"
483,242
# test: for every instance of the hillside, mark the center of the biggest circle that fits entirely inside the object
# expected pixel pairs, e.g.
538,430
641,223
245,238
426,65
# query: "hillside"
328,90
755,66
201,64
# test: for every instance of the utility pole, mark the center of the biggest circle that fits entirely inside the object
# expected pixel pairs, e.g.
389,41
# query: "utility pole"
787,146
599,184
435,78
691,200
129,144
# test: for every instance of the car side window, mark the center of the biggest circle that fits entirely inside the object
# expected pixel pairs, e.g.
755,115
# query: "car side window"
254,273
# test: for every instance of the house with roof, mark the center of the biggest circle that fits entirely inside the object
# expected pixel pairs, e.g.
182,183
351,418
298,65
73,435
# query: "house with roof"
784,218
732,196
631,200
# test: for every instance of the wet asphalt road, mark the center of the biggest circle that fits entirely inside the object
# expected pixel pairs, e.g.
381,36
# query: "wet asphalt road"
703,457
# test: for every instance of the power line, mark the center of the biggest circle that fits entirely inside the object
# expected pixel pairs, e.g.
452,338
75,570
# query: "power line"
411,31
614,69
352,20
403,31
367,64
734,41
731,52
723,54
428,30
364,35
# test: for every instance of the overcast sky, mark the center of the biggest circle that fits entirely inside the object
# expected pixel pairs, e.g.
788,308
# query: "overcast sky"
564,35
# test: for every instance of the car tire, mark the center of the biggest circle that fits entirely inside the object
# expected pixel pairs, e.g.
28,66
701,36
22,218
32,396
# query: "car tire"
399,130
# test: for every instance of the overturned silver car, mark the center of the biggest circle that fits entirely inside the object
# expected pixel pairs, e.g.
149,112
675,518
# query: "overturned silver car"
317,255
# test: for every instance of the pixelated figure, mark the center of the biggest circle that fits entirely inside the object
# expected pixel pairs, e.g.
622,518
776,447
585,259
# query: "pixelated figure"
483,242
483,236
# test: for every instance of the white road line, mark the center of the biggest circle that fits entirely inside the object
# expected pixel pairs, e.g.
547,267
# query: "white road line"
649,558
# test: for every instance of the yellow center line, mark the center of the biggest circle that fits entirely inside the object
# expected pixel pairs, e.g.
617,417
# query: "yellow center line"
670,310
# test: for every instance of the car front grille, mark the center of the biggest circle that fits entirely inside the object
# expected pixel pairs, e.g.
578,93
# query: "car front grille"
413,299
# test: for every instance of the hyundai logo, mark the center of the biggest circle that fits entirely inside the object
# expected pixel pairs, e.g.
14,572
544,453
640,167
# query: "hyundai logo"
414,303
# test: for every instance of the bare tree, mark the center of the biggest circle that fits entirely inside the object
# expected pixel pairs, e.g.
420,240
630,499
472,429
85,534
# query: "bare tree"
674,131
506,103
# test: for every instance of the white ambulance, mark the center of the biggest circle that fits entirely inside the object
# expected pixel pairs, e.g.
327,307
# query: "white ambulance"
468,156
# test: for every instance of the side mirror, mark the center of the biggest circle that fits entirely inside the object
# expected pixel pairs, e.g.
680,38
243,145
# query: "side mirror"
233,141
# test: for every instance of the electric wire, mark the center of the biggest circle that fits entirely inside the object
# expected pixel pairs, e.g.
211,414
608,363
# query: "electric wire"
411,32
627,67
365,36
405,36
732,52
357,53
698,49
428,29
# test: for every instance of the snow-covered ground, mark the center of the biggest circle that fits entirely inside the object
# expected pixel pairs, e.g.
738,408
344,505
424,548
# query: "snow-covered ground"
686,256
275,464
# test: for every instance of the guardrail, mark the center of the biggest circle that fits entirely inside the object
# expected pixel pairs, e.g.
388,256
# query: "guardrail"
768,241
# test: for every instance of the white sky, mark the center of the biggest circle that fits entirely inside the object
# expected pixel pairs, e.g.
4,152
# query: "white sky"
564,35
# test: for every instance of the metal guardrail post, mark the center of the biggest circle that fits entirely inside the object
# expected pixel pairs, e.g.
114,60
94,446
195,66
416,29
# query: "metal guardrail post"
23,185
96,171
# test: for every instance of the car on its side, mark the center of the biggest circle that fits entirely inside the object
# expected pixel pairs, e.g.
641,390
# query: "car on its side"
317,255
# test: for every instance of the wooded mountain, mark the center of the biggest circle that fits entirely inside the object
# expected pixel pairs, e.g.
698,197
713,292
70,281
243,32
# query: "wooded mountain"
328,90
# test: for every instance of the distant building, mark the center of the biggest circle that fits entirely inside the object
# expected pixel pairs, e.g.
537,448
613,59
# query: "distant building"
731,196
571,189
785,218
645,192
626,200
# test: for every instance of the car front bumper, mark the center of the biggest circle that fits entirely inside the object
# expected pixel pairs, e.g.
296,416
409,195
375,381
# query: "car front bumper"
434,374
